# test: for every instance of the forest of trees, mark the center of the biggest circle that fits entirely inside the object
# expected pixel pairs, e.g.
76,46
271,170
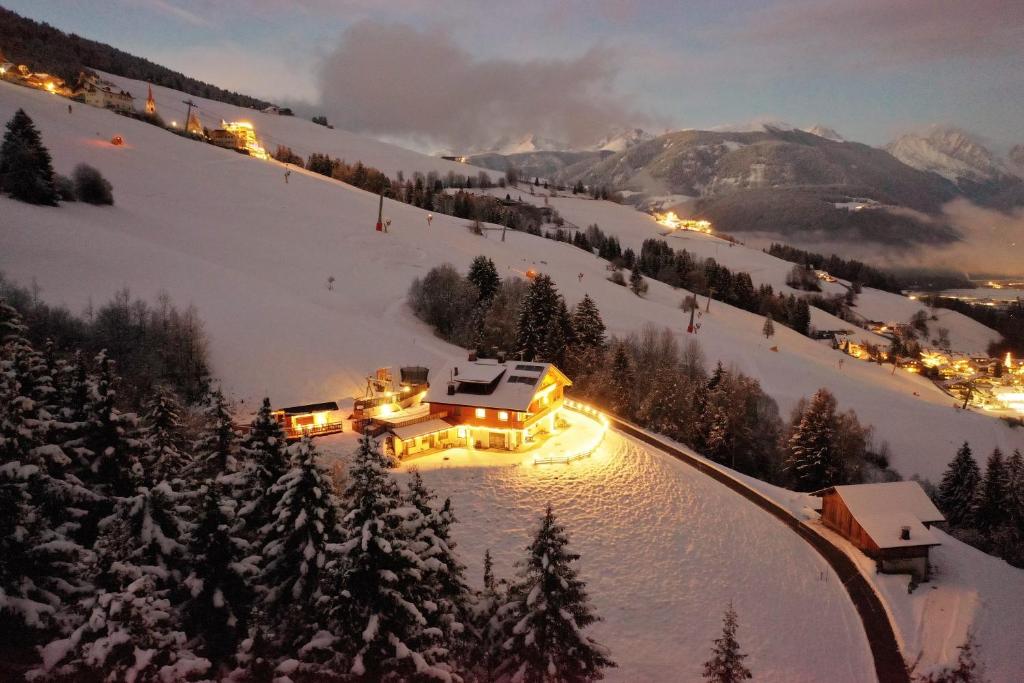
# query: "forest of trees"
1008,321
846,269
167,546
985,509
648,378
49,50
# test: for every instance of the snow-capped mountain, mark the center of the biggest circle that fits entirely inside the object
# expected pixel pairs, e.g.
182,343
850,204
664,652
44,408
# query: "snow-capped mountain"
1016,156
950,152
825,132
620,141
531,142
754,126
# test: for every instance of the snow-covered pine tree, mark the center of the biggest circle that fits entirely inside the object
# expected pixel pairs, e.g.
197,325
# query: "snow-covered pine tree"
1015,491
990,504
487,627
264,462
445,575
617,393
637,284
130,627
726,663
588,328
304,522
959,487
377,607
26,168
554,347
220,599
217,444
484,275
164,455
547,615
538,307
813,460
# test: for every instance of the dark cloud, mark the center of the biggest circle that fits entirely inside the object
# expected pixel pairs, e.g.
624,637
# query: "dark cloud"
391,79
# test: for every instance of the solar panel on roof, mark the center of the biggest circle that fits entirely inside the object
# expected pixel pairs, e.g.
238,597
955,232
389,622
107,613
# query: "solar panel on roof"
523,380
530,368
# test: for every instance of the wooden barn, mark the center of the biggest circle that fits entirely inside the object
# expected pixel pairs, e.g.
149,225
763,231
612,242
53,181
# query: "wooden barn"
889,522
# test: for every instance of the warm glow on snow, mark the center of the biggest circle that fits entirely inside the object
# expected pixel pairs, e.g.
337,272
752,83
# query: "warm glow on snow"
671,220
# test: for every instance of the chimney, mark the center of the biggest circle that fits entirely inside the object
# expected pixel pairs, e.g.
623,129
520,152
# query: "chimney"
451,388
904,533
455,371
501,356
472,356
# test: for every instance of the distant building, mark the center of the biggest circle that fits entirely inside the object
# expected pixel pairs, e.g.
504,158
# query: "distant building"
240,136
150,102
314,419
96,92
889,522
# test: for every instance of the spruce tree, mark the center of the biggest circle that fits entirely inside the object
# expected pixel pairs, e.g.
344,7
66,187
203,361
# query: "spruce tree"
617,392
540,304
587,326
378,606
220,598
165,454
295,541
990,505
553,349
726,663
1015,491
264,462
487,626
813,460
769,327
547,614
216,448
26,170
637,284
959,488
484,275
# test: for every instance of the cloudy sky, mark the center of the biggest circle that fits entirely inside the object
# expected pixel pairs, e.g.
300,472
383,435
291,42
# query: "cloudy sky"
464,72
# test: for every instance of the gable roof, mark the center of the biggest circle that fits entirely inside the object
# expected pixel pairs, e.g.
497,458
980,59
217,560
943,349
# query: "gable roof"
309,408
489,384
883,509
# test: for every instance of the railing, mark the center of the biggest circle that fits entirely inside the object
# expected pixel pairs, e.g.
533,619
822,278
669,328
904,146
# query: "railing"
314,430
587,450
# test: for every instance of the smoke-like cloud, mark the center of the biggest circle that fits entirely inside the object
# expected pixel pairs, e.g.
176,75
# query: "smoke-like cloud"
993,241
393,80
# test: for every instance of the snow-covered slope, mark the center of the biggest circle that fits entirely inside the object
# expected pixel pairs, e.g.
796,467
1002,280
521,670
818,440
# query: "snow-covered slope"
303,136
825,132
225,232
664,549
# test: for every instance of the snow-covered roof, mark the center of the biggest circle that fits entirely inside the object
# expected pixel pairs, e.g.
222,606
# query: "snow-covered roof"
882,509
488,384
420,429
886,528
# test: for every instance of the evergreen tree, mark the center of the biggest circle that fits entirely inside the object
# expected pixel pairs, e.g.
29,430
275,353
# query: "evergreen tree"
26,170
587,326
726,663
555,343
379,608
637,284
769,327
813,458
484,275
486,651
539,305
264,462
617,391
1015,493
959,488
217,445
218,584
547,614
164,444
303,523
990,505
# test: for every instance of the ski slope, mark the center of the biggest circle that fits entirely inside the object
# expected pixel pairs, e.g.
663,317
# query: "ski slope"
664,549
225,232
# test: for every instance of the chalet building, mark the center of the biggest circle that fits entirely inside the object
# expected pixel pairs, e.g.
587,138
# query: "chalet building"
890,523
314,419
96,92
485,404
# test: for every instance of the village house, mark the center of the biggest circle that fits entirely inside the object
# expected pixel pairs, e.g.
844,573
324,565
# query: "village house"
96,92
239,136
314,419
484,404
889,522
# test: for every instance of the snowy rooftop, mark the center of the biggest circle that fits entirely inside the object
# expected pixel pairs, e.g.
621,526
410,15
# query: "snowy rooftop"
882,509
489,384
420,429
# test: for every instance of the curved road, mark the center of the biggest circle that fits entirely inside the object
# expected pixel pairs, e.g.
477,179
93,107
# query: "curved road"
889,664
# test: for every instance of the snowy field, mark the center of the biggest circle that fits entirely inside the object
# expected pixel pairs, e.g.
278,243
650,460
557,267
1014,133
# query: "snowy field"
664,549
225,232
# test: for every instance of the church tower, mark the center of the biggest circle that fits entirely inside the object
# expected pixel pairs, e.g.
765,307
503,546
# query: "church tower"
150,103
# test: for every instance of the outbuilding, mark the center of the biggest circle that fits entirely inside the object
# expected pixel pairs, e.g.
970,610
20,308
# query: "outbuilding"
889,522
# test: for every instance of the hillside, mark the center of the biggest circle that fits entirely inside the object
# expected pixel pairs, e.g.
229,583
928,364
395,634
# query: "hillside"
47,49
779,181
225,232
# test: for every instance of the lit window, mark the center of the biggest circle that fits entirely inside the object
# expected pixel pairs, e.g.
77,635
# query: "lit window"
462,432
480,412
503,416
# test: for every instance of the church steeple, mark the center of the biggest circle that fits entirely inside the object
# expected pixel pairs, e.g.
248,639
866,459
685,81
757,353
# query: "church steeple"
150,102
